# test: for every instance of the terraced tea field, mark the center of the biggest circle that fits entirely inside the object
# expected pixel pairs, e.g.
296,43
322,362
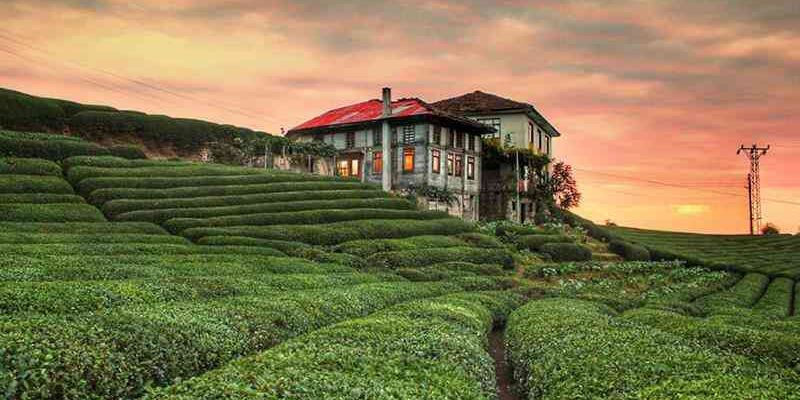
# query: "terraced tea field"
127,279
777,255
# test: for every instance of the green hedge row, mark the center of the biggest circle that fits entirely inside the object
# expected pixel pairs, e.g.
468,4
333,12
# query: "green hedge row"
25,112
117,162
629,251
368,247
26,135
199,195
79,173
40,198
190,215
449,270
480,240
130,152
756,342
743,294
84,227
116,354
568,349
423,257
70,267
82,296
339,232
36,250
98,238
563,252
511,229
294,249
10,184
50,213
29,166
89,185
777,300
55,150
307,217
423,349
535,242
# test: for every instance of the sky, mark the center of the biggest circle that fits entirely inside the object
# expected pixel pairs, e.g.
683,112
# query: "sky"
652,97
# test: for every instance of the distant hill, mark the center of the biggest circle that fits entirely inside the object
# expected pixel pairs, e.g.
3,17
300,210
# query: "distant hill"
158,134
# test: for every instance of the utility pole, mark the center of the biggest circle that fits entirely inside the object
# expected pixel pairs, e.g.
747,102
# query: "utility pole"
754,153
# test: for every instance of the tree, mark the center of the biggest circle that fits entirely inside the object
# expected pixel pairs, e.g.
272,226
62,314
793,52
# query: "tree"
561,187
770,229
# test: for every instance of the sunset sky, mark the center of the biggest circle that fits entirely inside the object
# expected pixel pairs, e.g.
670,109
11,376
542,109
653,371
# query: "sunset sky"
642,91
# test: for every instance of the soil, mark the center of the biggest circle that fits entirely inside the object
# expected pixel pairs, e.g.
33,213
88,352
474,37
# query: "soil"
504,377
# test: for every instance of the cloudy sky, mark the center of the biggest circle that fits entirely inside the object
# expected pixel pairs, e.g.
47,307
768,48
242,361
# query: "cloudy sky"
652,97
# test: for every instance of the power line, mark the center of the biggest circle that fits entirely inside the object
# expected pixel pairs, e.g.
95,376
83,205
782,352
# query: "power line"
754,154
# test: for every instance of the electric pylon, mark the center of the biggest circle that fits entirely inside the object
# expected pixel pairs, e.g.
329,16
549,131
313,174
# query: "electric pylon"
754,153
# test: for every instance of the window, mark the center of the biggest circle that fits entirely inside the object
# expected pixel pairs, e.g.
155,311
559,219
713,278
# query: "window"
494,123
377,137
531,139
459,165
377,162
409,134
451,138
408,159
539,132
450,164
437,134
343,167
350,140
436,161
471,168
355,168
471,142
460,140
549,144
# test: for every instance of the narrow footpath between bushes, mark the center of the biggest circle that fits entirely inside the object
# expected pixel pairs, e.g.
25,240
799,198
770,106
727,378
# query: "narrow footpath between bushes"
503,375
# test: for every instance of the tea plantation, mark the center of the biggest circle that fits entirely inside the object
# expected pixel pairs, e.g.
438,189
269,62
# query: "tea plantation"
133,278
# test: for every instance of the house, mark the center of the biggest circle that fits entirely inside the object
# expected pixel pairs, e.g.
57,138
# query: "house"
404,144
515,124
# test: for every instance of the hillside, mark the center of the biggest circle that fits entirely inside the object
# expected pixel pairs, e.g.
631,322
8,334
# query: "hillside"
136,278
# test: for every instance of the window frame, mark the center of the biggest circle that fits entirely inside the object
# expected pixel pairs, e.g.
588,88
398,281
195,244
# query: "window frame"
494,123
409,132
350,140
436,161
459,140
437,134
458,165
471,168
408,152
377,137
377,162
450,163
471,142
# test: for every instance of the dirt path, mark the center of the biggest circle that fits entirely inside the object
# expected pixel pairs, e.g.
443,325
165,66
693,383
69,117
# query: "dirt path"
505,380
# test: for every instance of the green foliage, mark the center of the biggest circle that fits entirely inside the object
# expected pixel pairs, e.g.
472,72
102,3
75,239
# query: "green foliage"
23,112
629,251
295,249
181,218
117,162
339,232
567,349
480,240
776,301
427,348
13,145
423,257
744,294
561,252
120,249
10,184
91,238
130,152
40,198
83,227
29,166
50,213
367,247
535,242
77,174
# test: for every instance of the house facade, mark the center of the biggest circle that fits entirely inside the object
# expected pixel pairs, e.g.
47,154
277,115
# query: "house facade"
403,144
516,124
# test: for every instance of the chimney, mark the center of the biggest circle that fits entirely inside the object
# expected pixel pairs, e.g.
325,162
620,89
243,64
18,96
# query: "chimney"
387,102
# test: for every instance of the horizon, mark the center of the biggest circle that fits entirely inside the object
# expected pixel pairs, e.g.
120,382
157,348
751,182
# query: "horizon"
652,99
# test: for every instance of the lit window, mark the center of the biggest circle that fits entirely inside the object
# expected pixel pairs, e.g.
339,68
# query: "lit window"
494,123
355,167
408,159
350,140
459,165
436,161
343,167
377,162
409,134
450,164
471,168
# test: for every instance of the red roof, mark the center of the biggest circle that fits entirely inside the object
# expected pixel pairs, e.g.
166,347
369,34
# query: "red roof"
372,110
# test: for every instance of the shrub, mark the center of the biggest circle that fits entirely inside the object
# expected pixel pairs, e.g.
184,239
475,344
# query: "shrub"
200,195
423,257
89,185
84,227
10,184
40,198
91,238
480,240
129,152
50,213
561,252
480,269
89,347
629,251
55,150
743,294
29,166
367,247
567,349
197,216
339,232
21,111
295,249
120,249
117,162
509,229
193,171
777,300
535,242
454,365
